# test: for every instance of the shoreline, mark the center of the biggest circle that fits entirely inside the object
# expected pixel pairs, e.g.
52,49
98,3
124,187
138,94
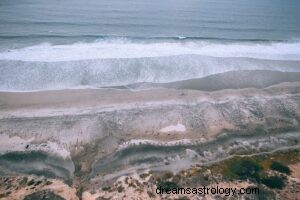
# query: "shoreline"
81,135
105,97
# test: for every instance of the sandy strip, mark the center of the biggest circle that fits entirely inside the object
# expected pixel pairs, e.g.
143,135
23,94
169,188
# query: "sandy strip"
88,99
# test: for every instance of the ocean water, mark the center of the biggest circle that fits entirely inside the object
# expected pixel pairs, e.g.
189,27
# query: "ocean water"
72,44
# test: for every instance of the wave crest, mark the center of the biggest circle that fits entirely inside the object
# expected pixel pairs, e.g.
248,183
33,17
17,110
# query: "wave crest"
125,48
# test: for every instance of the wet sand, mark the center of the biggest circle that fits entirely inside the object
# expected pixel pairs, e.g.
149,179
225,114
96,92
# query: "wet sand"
227,80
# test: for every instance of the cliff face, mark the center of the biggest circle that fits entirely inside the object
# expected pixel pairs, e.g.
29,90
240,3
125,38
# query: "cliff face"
84,126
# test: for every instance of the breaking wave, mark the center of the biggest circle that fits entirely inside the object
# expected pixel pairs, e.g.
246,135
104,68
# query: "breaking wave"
123,61
124,48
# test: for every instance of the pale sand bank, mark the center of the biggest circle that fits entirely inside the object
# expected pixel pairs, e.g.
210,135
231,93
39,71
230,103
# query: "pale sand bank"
90,124
87,99
144,112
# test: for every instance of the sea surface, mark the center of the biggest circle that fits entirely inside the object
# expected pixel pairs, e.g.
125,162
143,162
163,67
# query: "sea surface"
61,44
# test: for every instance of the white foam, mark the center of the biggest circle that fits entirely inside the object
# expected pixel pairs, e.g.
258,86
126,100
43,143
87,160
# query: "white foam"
173,128
129,49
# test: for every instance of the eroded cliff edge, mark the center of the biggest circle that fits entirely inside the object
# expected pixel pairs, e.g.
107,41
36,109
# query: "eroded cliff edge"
102,134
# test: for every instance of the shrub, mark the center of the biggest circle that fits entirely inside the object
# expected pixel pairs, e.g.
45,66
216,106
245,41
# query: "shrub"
276,166
145,175
274,182
262,194
120,189
107,188
31,182
166,184
246,169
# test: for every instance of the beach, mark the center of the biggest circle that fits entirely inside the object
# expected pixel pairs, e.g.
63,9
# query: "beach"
115,99
69,122
99,130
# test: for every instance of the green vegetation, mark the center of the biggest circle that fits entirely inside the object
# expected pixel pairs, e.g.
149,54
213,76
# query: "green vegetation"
183,198
120,189
274,182
251,169
24,181
31,182
264,194
106,188
256,168
289,157
37,183
246,169
44,194
166,184
276,166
